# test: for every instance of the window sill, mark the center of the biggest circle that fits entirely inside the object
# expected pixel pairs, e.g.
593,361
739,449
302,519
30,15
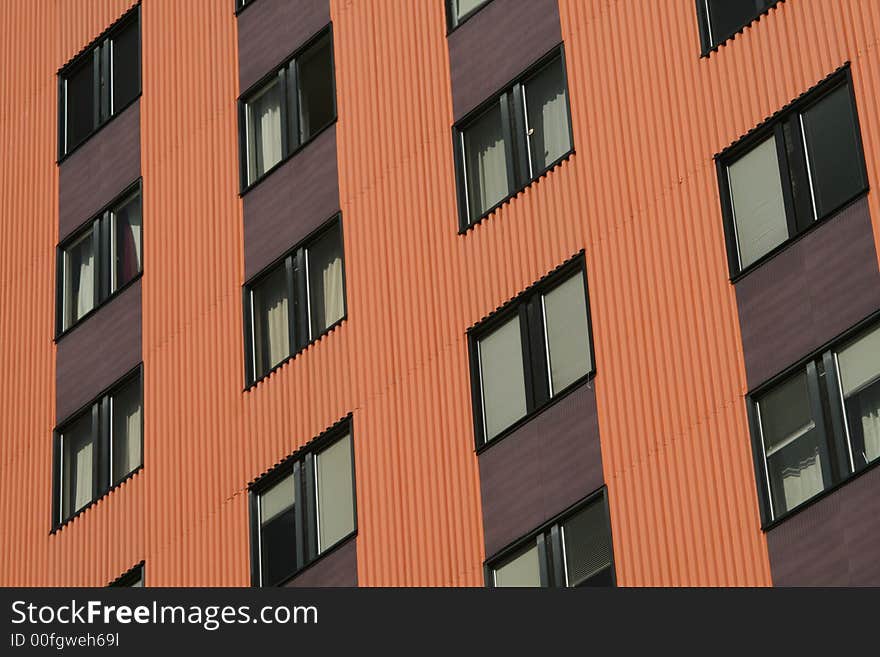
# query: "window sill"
819,496
586,380
821,221
94,132
293,356
706,52
82,320
118,484
351,536
507,199
284,160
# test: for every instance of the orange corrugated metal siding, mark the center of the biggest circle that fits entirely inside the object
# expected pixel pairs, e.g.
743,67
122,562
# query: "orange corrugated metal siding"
639,196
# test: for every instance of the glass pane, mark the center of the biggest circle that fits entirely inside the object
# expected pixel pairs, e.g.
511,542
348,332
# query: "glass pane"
726,17
125,53
271,329
793,449
547,116
316,107
833,152
502,379
126,429
485,162
586,538
567,333
127,241
522,570
264,130
79,279
758,206
462,8
277,532
335,494
324,267
859,365
80,105
77,452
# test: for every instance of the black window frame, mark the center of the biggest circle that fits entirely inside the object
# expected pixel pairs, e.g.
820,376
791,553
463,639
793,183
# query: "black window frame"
453,22
102,463
100,225
828,408
548,538
526,305
301,464
708,43
291,141
293,261
800,218
130,577
241,5
99,50
510,99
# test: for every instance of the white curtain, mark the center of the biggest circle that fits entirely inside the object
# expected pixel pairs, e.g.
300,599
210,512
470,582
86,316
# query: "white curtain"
265,131
271,333
80,279
333,297
802,480
548,116
83,477
278,347
85,297
128,455
486,162
871,423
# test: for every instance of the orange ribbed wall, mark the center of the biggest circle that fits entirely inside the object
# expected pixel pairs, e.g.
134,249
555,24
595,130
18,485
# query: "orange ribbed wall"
639,196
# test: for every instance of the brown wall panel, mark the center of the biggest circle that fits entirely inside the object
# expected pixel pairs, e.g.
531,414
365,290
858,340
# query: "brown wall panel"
540,469
496,44
99,170
270,30
809,293
339,568
98,351
291,202
832,542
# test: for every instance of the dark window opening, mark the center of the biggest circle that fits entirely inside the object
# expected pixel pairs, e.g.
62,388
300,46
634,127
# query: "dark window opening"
100,259
134,578
573,551
789,174
287,109
721,19
531,351
303,508
100,83
512,140
98,448
459,10
294,302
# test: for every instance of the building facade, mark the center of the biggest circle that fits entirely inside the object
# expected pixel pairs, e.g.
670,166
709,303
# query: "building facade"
447,293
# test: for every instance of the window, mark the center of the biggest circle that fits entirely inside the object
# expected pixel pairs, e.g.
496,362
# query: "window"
531,351
721,19
287,109
818,425
572,551
100,259
100,83
241,4
512,139
294,302
98,448
134,578
459,10
304,507
792,172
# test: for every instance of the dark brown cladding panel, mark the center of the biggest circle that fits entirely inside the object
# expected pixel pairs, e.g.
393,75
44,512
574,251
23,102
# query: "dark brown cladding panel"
99,170
809,293
541,469
496,44
833,542
339,568
291,202
270,30
98,352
